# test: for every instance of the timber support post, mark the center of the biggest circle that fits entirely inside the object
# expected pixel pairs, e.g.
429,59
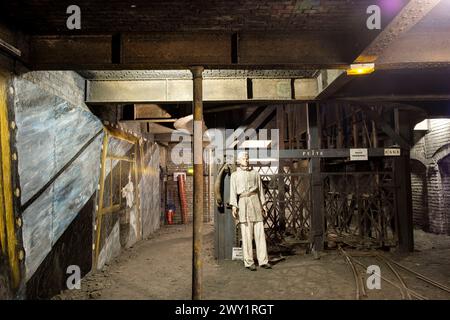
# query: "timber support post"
318,210
197,263
402,172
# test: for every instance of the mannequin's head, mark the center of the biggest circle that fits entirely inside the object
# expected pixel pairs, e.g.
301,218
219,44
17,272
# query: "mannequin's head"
243,159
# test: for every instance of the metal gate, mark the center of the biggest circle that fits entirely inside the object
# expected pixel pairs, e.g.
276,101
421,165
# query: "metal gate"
288,204
359,207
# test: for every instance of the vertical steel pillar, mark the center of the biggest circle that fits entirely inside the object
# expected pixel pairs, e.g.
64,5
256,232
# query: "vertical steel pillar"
402,172
318,210
197,263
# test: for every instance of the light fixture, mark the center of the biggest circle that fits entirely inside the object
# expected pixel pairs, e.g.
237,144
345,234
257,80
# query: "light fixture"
361,69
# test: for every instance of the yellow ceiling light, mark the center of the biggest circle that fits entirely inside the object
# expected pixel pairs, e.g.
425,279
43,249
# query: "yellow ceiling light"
361,69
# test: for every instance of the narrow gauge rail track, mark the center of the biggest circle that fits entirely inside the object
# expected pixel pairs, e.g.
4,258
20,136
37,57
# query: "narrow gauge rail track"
394,267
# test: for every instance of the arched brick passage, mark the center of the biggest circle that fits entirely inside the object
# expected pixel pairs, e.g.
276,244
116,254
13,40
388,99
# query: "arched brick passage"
444,169
419,194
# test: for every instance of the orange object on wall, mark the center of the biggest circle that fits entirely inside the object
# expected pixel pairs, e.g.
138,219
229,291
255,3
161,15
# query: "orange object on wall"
170,216
183,200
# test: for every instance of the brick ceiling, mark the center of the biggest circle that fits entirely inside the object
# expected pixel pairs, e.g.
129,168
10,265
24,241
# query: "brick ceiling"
49,17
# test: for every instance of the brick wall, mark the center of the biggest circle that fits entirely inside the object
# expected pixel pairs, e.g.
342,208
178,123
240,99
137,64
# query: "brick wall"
419,194
431,180
219,15
444,166
437,137
172,193
435,204
68,85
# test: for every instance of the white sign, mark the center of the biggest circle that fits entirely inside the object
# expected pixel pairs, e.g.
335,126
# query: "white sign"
176,174
389,152
237,254
359,155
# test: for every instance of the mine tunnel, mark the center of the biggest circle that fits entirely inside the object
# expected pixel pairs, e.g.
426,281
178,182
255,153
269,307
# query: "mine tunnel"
122,125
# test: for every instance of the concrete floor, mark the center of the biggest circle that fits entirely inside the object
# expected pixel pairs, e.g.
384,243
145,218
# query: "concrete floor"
160,268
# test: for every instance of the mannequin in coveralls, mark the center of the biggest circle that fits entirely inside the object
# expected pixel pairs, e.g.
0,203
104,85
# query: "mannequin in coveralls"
247,200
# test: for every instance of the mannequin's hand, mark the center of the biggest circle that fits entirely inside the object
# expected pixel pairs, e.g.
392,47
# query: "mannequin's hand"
234,212
264,212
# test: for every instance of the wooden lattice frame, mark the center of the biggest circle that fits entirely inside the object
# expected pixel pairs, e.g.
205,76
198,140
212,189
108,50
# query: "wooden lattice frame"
360,207
288,204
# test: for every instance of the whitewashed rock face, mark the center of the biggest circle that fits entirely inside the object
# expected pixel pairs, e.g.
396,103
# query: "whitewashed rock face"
111,247
59,148
57,142
150,200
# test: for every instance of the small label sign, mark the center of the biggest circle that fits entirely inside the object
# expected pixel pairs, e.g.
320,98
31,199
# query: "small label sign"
359,155
392,152
176,174
237,254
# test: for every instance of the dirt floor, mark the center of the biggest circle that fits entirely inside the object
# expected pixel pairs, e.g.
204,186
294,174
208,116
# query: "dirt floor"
160,268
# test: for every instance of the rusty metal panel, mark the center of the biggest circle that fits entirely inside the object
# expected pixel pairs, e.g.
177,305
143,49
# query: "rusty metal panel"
272,89
302,48
179,90
126,91
148,111
306,89
176,49
71,51
164,90
167,90
417,48
404,21
225,89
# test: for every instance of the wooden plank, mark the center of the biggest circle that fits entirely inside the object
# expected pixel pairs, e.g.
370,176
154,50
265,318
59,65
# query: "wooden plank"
8,231
136,190
317,211
121,158
149,111
100,198
281,121
373,115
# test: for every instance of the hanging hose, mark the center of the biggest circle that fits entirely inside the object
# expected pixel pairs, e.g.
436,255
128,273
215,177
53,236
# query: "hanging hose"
182,193
225,169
